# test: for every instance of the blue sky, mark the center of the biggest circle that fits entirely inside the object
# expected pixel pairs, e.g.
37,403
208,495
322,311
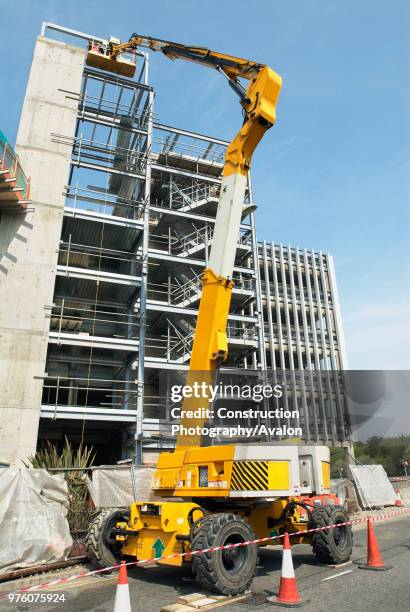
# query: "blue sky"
333,174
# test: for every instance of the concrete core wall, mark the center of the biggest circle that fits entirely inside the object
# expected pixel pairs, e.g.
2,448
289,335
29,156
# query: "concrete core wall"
29,242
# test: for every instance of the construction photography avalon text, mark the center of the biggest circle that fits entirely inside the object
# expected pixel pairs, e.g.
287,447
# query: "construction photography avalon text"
204,306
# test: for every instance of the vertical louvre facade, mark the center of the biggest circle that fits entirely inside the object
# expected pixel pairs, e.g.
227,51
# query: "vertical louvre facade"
303,337
301,314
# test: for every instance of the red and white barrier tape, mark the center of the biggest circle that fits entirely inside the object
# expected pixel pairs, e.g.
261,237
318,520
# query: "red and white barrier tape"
52,583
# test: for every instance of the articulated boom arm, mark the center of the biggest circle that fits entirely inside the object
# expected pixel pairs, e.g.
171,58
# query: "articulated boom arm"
210,341
259,104
233,66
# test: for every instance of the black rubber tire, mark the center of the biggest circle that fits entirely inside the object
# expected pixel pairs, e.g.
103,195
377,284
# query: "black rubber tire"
100,551
227,572
331,545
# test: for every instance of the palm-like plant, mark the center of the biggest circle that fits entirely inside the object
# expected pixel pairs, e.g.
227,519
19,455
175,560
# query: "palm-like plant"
48,457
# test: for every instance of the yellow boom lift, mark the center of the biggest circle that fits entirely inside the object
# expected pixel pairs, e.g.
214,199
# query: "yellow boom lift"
230,493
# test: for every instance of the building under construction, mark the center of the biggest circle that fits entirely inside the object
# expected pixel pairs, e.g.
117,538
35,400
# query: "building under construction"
101,271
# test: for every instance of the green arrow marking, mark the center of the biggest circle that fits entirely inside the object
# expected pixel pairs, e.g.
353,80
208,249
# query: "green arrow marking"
158,547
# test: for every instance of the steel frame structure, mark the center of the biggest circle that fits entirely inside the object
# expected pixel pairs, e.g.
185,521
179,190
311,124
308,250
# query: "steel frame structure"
138,224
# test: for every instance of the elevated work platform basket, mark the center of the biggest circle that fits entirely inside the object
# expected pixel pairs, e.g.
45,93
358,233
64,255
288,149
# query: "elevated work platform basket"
99,56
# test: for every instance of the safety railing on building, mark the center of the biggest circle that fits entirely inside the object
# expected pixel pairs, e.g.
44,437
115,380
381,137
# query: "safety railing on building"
104,156
173,144
70,316
115,109
103,202
97,259
14,185
88,393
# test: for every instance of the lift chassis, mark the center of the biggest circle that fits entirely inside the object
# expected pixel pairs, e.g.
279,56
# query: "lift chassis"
214,496
228,495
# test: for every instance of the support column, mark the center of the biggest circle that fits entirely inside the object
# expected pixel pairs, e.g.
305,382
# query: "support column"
29,242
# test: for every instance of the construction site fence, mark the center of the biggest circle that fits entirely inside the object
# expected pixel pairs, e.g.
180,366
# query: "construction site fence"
112,486
275,539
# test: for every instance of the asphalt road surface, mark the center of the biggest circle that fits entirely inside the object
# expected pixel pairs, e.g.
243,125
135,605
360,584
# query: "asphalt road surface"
340,589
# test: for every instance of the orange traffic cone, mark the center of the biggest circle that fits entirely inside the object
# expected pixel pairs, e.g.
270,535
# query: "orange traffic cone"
122,601
288,595
374,557
399,501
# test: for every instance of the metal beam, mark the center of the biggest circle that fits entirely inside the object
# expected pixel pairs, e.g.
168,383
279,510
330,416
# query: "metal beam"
116,79
88,413
193,312
87,215
169,170
193,262
47,25
78,339
98,275
189,215
211,139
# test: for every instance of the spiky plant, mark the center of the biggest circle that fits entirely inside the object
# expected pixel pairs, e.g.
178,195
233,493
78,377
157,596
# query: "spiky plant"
48,457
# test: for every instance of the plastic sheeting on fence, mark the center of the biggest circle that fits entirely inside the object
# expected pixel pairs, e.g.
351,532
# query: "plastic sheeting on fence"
120,486
33,518
401,484
338,487
373,486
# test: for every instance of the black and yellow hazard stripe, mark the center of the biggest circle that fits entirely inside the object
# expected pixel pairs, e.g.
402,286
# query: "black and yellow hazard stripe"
249,476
